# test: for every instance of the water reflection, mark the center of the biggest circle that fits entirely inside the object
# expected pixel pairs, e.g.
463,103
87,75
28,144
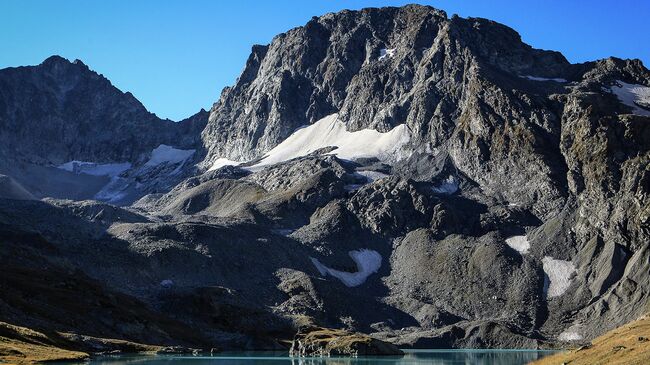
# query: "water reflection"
412,357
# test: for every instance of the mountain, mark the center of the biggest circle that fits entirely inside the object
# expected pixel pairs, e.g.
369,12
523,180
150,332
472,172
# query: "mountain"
551,154
60,113
431,181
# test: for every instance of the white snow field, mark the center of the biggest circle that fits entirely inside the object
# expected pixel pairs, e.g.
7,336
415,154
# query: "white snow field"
330,132
519,244
161,154
535,78
560,273
221,162
383,53
368,262
569,335
632,95
168,154
95,169
120,186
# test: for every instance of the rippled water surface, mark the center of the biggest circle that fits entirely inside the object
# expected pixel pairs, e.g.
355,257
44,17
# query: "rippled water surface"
413,357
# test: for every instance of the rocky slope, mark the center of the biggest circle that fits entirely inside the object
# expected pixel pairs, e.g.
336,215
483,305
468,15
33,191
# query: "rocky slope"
432,181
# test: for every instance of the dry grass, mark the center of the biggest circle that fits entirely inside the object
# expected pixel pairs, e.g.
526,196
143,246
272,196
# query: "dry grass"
18,352
629,345
19,345
333,338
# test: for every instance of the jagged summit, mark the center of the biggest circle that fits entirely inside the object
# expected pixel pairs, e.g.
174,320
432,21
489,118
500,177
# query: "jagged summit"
333,59
54,59
61,111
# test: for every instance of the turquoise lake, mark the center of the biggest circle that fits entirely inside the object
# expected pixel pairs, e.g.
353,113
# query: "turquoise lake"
413,357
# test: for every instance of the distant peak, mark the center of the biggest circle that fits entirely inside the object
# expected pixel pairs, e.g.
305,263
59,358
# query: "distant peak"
55,59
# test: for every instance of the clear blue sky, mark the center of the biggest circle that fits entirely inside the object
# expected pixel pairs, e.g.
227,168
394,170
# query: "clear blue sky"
176,56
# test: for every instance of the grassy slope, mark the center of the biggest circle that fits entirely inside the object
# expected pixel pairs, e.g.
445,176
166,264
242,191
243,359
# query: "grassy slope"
20,345
629,345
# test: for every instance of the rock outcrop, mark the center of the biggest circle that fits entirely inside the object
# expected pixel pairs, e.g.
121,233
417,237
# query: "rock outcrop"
325,342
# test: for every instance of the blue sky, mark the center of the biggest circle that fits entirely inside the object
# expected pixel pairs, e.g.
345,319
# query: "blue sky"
176,56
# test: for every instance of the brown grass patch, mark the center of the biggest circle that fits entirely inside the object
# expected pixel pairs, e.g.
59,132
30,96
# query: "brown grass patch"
629,345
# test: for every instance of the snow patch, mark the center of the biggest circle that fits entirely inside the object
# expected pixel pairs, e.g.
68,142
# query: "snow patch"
168,154
95,169
331,132
368,175
635,96
559,273
519,243
352,187
368,262
383,53
535,78
221,162
447,186
569,336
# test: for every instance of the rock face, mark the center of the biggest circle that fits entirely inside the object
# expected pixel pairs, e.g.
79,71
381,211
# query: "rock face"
515,212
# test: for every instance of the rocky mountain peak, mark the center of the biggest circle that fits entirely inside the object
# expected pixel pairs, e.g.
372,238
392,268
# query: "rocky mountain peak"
61,111
377,54
61,68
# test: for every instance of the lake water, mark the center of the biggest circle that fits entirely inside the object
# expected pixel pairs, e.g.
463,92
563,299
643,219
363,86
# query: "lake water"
412,357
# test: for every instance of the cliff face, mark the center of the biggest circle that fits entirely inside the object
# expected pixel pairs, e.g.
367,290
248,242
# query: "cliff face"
432,180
